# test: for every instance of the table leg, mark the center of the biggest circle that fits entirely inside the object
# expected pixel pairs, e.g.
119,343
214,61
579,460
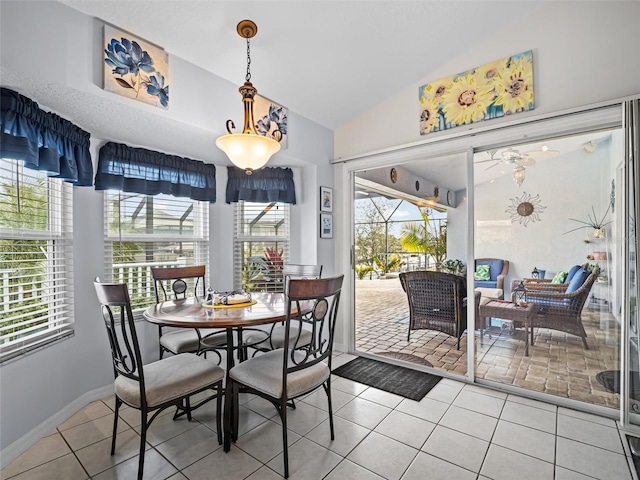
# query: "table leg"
527,326
230,403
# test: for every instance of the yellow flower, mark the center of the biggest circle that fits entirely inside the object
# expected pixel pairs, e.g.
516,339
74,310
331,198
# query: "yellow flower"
436,90
488,73
466,100
514,86
429,115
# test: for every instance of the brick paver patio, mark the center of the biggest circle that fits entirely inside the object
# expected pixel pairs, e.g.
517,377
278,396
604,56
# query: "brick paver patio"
558,363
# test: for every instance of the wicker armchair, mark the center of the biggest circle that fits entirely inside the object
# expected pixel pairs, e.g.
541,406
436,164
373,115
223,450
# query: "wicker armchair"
562,311
437,301
545,283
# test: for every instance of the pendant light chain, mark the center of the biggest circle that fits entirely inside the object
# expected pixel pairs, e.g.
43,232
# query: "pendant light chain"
248,75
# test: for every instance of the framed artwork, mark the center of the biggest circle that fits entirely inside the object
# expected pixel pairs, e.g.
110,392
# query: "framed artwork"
490,91
271,119
326,199
135,68
326,225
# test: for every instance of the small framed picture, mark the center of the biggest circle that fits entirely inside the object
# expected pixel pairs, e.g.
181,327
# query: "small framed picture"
326,199
326,225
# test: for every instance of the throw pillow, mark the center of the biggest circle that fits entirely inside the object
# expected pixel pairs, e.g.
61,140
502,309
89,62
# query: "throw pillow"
559,278
482,272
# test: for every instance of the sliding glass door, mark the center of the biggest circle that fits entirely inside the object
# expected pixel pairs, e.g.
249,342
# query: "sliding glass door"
548,217
541,214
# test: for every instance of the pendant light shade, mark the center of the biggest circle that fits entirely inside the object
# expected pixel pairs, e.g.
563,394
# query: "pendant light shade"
247,150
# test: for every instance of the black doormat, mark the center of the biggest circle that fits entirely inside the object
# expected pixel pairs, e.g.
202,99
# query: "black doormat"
402,381
610,379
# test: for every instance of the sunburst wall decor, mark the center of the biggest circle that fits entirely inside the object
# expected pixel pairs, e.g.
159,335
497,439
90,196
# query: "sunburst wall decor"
524,209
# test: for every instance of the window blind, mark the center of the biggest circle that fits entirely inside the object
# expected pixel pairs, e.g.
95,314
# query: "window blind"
145,231
36,259
261,245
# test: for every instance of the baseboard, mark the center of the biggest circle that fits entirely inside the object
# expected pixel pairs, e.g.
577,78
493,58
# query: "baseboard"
17,448
339,347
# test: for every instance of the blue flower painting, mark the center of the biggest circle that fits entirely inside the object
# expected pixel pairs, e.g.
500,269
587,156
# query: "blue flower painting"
271,119
135,68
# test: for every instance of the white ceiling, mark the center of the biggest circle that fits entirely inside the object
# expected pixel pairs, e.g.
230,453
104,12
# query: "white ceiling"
329,61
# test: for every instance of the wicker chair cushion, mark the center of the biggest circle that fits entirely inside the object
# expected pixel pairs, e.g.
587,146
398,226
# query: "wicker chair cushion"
577,280
482,272
572,271
184,340
264,373
559,278
168,379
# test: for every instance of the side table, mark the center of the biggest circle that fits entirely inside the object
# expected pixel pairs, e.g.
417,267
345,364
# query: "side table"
509,311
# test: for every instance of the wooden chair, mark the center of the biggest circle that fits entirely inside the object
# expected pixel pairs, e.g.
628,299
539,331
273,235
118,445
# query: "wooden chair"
178,282
287,373
157,386
437,301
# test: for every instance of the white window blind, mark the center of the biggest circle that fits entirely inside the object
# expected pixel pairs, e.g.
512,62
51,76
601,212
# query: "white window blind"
145,231
36,259
261,245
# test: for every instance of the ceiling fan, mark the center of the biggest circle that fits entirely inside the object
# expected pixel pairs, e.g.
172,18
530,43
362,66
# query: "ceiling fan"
509,157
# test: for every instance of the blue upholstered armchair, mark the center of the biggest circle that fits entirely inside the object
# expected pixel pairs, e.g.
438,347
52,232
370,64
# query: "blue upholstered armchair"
498,270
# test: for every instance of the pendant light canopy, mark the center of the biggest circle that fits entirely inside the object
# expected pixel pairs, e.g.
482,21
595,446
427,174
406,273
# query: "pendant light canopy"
247,150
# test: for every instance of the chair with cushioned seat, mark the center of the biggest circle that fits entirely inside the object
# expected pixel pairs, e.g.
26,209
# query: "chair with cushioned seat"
156,386
562,309
176,280
298,336
437,301
287,373
498,270
550,284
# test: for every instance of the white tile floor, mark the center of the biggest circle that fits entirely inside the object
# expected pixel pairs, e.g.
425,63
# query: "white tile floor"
457,431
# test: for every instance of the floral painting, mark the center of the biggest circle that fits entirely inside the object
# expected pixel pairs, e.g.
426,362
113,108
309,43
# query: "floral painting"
135,68
493,90
271,119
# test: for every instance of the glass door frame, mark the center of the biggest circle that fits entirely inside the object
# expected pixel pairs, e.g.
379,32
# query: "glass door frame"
604,115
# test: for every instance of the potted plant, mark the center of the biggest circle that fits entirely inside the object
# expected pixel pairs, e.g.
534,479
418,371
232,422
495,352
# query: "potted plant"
594,222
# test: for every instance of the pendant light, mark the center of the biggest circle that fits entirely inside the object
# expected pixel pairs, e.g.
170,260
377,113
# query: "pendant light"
247,150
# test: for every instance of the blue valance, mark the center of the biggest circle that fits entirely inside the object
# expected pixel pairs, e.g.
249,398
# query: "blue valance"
43,140
138,170
264,185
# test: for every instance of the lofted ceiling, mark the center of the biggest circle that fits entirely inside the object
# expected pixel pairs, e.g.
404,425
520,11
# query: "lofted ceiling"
329,61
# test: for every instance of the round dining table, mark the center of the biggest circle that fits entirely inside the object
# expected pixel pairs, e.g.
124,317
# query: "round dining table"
266,308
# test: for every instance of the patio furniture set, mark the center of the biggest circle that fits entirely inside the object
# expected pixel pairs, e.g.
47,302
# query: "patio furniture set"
438,301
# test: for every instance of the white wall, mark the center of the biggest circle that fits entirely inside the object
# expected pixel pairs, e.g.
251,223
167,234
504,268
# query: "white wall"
53,54
583,52
567,185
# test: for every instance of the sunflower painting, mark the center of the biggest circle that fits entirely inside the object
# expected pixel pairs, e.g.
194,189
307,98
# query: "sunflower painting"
490,91
135,68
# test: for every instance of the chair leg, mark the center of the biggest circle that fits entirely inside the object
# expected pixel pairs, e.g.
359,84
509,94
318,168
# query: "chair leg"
584,342
115,425
143,440
235,411
187,407
327,390
285,444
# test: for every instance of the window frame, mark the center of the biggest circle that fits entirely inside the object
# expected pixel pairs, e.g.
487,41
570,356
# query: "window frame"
199,238
58,270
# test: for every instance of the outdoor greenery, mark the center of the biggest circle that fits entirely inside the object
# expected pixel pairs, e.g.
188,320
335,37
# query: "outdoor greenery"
421,237
379,252
25,261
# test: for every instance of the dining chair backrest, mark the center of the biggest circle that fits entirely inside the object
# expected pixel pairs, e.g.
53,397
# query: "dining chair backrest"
179,281
121,331
299,271
325,295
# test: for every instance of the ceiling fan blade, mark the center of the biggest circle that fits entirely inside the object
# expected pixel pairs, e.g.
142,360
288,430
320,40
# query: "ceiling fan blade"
527,161
491,166
542,153
487,160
